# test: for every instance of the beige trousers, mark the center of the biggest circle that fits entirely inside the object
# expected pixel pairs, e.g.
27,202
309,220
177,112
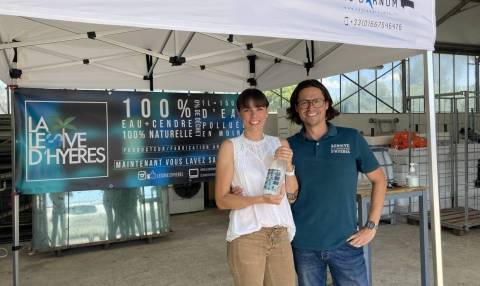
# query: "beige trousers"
262,258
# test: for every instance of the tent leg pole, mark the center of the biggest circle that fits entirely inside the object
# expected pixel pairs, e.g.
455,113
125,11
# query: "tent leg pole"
15,199
433,171
16,241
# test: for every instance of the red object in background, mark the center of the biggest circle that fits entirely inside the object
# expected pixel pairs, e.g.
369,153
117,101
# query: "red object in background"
400,140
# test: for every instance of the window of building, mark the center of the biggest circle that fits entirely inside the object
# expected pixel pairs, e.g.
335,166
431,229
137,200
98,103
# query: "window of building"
380,89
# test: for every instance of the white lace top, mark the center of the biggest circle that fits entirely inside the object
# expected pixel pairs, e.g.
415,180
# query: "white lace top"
251,162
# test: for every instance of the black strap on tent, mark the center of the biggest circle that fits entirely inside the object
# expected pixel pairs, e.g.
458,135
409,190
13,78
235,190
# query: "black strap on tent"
176,61
15,73
310,56
15,53
149,77
252,81
251,61
91,35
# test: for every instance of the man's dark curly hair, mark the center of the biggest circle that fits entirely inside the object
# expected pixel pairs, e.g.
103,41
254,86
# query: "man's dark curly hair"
292,113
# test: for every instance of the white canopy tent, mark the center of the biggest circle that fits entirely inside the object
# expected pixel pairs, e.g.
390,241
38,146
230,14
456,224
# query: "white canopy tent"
54,51
51,52
116,57
88,44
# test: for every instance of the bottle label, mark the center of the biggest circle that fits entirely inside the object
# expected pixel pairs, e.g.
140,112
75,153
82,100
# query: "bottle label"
272,182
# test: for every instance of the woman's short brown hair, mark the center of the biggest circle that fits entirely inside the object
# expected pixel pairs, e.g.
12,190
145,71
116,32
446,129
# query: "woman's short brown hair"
252,95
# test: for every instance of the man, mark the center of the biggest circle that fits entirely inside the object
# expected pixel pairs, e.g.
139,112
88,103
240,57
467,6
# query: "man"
327,160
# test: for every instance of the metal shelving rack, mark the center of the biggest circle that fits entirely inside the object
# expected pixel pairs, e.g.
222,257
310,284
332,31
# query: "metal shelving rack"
458,137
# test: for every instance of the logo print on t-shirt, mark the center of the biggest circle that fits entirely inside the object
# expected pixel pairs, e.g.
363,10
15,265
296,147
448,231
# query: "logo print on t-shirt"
340,148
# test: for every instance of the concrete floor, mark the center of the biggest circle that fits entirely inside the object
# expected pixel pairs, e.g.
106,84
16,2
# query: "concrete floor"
195,255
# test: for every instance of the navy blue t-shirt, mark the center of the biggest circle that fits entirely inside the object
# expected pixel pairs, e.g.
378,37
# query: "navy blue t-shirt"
325,212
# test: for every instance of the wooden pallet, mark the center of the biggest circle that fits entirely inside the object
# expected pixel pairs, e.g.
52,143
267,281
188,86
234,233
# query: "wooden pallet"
452,219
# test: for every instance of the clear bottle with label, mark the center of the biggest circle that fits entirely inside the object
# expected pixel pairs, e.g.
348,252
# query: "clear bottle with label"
412,178
275,177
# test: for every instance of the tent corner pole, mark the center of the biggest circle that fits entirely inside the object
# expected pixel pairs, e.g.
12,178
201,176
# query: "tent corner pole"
15,242
15,199
432,168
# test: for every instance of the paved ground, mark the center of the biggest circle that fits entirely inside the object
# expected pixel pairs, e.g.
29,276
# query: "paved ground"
195,255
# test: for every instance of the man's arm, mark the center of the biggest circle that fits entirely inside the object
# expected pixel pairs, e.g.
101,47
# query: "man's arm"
291,183
379,187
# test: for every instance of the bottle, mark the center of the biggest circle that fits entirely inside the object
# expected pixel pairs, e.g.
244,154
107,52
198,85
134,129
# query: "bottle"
275,177
412,179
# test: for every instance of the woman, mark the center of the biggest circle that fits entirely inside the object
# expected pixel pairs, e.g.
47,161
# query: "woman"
261,226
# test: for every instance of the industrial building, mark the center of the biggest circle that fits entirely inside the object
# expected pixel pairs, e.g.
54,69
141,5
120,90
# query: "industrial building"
144,212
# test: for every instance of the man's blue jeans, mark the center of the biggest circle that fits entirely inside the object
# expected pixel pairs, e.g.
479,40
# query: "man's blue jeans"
346,263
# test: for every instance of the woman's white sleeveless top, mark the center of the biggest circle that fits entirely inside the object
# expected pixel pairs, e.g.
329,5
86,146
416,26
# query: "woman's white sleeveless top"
251,162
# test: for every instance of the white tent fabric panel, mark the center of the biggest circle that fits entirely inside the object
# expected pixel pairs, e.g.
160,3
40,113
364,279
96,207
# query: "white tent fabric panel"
4,67
340,21
461,27
345,58
52,54
94,77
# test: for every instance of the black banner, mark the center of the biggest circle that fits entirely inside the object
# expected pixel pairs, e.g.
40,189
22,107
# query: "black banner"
80,140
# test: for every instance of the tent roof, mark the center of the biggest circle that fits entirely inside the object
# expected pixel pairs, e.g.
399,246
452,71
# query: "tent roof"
458,22
55,53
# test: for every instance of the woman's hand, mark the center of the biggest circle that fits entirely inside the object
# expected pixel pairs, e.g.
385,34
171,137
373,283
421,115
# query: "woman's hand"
236,191
275,199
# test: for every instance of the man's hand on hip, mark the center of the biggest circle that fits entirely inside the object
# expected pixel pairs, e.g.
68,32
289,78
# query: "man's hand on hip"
362,237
